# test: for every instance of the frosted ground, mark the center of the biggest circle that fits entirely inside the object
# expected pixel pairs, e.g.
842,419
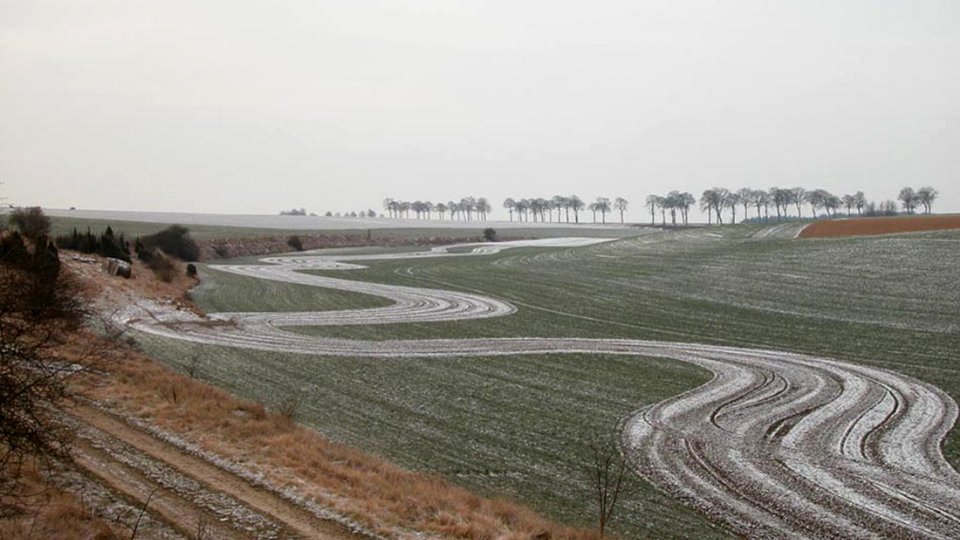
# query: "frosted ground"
604,290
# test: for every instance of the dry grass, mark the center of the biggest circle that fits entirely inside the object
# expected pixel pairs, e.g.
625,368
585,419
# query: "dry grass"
879,225
383,497
41,511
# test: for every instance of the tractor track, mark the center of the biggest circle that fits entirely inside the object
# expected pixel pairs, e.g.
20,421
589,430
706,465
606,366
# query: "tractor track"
185,491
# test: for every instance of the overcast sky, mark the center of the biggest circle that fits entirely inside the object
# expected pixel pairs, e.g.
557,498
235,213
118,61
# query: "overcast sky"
251,107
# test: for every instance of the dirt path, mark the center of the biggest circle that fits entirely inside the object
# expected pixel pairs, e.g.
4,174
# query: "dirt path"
186,491
776,445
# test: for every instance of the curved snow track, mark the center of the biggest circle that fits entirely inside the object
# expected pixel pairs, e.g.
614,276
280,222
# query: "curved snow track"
775,445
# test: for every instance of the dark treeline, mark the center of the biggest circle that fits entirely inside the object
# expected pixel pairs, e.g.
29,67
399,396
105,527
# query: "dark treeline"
369,213
558,209
175,240
106,244
466,209
295,212
782,204
567,209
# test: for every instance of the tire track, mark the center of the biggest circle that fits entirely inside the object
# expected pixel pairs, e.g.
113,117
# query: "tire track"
186,491
776,444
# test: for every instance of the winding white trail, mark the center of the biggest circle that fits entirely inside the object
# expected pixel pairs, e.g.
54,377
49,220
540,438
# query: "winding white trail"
775,445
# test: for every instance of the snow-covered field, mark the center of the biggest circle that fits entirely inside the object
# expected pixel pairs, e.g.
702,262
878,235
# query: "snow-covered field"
776,444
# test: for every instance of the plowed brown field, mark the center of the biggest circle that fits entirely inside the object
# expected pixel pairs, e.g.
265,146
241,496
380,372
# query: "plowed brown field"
884,225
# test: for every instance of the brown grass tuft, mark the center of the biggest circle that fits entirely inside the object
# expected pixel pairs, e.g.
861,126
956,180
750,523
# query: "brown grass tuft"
41,510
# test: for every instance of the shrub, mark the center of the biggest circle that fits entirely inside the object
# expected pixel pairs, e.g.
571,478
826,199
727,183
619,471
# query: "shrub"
31,222
38,307
175,240
191,270
295,243
107,244
489,235
162,267
222,250
12,250
289,409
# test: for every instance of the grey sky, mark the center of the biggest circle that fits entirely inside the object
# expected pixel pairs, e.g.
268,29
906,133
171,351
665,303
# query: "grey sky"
226,106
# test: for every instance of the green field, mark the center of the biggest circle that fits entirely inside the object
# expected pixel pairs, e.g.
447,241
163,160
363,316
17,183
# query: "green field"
511,425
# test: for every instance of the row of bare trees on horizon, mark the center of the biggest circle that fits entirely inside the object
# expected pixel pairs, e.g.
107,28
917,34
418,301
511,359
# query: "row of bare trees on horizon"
715,201
466,209
785,203
557,209
542,210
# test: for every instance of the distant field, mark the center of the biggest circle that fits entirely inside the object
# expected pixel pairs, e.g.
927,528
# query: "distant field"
505,425
217,226
879,225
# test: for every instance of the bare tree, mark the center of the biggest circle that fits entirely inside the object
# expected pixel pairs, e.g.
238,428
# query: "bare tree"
608,470
521,208
510,205
603,206
732,199
760,199
849,201
745,197
576,204
831,202
861,202
815,199
621,205
776,198
685,201
926,196
39,307
483,207
560,203
31,222
390,206
908,198
651,203
673,203
798,197
714,200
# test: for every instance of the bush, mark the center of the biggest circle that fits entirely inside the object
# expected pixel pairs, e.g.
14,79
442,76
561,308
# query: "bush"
12,250
489,235
295,243
175,240
289,409
38,307
222,250
31,222
162,267
191,270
